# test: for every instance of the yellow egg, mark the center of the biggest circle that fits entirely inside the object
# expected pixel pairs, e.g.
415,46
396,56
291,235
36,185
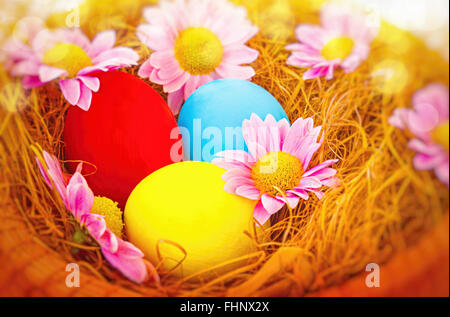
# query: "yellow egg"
183,211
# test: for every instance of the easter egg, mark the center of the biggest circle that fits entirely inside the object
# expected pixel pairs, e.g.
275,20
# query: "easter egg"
182,212
211,119
127,133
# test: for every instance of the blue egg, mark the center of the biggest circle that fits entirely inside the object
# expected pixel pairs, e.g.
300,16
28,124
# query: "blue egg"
211,119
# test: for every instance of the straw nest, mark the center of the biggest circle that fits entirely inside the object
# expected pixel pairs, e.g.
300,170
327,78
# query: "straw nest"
382,207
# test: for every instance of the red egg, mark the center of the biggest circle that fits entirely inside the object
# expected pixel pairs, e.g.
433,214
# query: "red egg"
128,132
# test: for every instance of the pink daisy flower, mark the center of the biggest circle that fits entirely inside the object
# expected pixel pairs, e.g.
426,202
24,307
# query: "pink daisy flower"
195,42
79,199
342,40
428,122
276,170
69,56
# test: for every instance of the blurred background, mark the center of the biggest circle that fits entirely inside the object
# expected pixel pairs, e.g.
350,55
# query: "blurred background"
428,19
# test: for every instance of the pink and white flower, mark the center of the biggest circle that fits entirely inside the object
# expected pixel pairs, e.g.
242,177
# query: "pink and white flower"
195,42
343,40
69,56
276,170
428,122
79,199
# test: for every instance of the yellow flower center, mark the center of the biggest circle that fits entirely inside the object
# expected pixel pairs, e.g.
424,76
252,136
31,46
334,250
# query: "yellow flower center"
67,56
198,51
277,171
113,215
338,47
441,135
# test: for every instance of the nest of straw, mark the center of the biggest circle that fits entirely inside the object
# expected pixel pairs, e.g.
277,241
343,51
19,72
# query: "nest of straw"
382,207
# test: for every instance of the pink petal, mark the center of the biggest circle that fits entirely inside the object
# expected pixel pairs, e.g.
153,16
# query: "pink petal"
423,120
237,155
227,164
128,250
290,199
318,193
399,118
248,191
301,140
177,83
306,57
271,204
234,183
239,54
239,33
55,173
47,73
75,36
71,90
133,269
108,241
435,94
316,72
43,172
260,213
95,224
103,41
93,83
236,172
166,75
299,192
330,182
319,168
283,127
146,69
117,56
79,167
80,197
442,172
256,149
308,154
29,82
226,70
311,35
309,182
85,98
26,68
324,173
175,101
425,162
424,148
154,37
161,59
191,85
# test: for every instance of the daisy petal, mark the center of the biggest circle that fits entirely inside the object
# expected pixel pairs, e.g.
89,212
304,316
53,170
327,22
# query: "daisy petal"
248,191
290,199
80,197
232,71
271,204
239,54
93,83
175,101
103,41
146,69
85,98
47,73
71,90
